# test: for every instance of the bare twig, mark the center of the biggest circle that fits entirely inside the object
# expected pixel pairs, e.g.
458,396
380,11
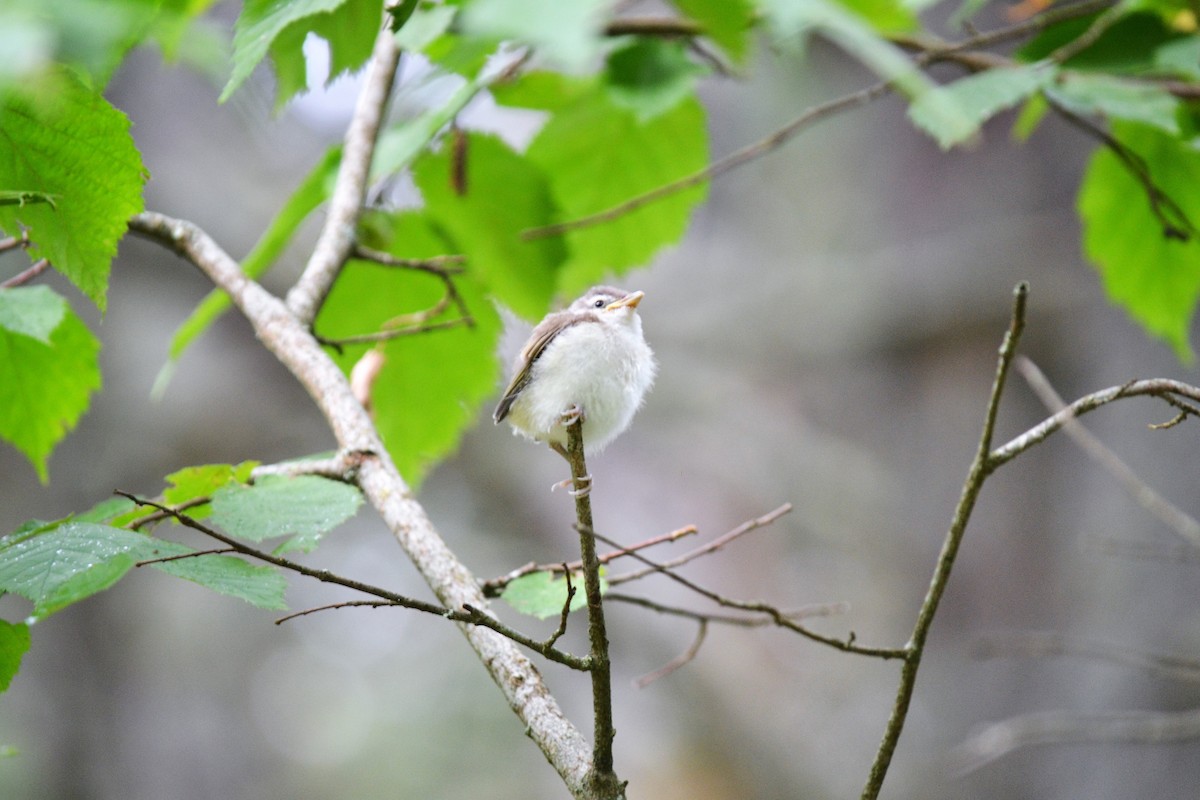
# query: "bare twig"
1170,391
981,466
336,241
711,547
1042,644
26,275
665,27
603,777
1160,507
566,609
681,660
1060,727
438,265
775,615
721,166
342,467
467,614
494,586
932,50
194,554
1174,220
738,620
394,333
333,606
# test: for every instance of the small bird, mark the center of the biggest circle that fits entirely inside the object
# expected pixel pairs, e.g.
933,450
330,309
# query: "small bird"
590,362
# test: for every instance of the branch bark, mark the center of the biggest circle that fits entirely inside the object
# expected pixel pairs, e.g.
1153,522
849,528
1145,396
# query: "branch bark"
287,337
336,241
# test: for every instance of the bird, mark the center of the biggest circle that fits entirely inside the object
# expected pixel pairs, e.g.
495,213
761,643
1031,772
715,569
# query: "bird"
589,361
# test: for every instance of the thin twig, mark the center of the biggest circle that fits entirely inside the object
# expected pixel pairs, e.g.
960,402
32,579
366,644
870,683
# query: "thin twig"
803,612
26,275
158,516
981,466
721,166
1163,388
336,241
1174,220
493,587
598,656
1060,727
438,265
566,609
332,606
181,556
1042,644
775,615
1160,507
14,242
468,614
395,333
931,53
684,658
711,547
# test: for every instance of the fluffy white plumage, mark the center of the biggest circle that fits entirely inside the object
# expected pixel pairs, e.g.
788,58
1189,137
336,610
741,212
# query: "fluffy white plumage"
592,356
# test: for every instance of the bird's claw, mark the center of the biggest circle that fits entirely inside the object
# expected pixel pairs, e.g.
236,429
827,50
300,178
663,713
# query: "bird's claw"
572,415
585,486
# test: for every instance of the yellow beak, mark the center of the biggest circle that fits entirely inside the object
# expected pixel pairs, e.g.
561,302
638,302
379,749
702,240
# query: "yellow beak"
630,300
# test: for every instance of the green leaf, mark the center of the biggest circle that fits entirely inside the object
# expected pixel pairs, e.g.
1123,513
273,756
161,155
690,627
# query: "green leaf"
432,385
568,34
33,311
651,76
193,483
726,22
258,584
541,594
1180,57
1126,47
306,507
68,562
45,386
1030,117
791,22
262,21
597,155
14,643
1155,278
426,24
1118,99
980,97
349,31
887,16
77,148
503,194
90,35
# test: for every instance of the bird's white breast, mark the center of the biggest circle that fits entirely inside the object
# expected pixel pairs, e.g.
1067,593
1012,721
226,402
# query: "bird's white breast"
604,369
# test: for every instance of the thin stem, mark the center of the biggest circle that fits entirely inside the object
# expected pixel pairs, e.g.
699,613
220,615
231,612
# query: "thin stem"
981,466
467,614
598,658
710,547
26,275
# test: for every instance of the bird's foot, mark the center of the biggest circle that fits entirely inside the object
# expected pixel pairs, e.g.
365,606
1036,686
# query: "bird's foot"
572,415
585,486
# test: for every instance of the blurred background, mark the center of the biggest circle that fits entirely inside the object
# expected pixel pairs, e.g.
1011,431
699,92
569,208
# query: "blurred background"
826,334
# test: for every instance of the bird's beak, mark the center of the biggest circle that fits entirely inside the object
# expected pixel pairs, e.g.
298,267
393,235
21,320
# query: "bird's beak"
630,300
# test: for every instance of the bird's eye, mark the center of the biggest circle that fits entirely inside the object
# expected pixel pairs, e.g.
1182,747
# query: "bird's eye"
600,304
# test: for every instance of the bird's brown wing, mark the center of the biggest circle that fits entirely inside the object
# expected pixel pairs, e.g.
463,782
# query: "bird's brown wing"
541,337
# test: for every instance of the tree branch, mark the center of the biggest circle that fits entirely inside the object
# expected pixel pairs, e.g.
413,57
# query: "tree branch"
336,241
1160,507
603,777
981,467
288,338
